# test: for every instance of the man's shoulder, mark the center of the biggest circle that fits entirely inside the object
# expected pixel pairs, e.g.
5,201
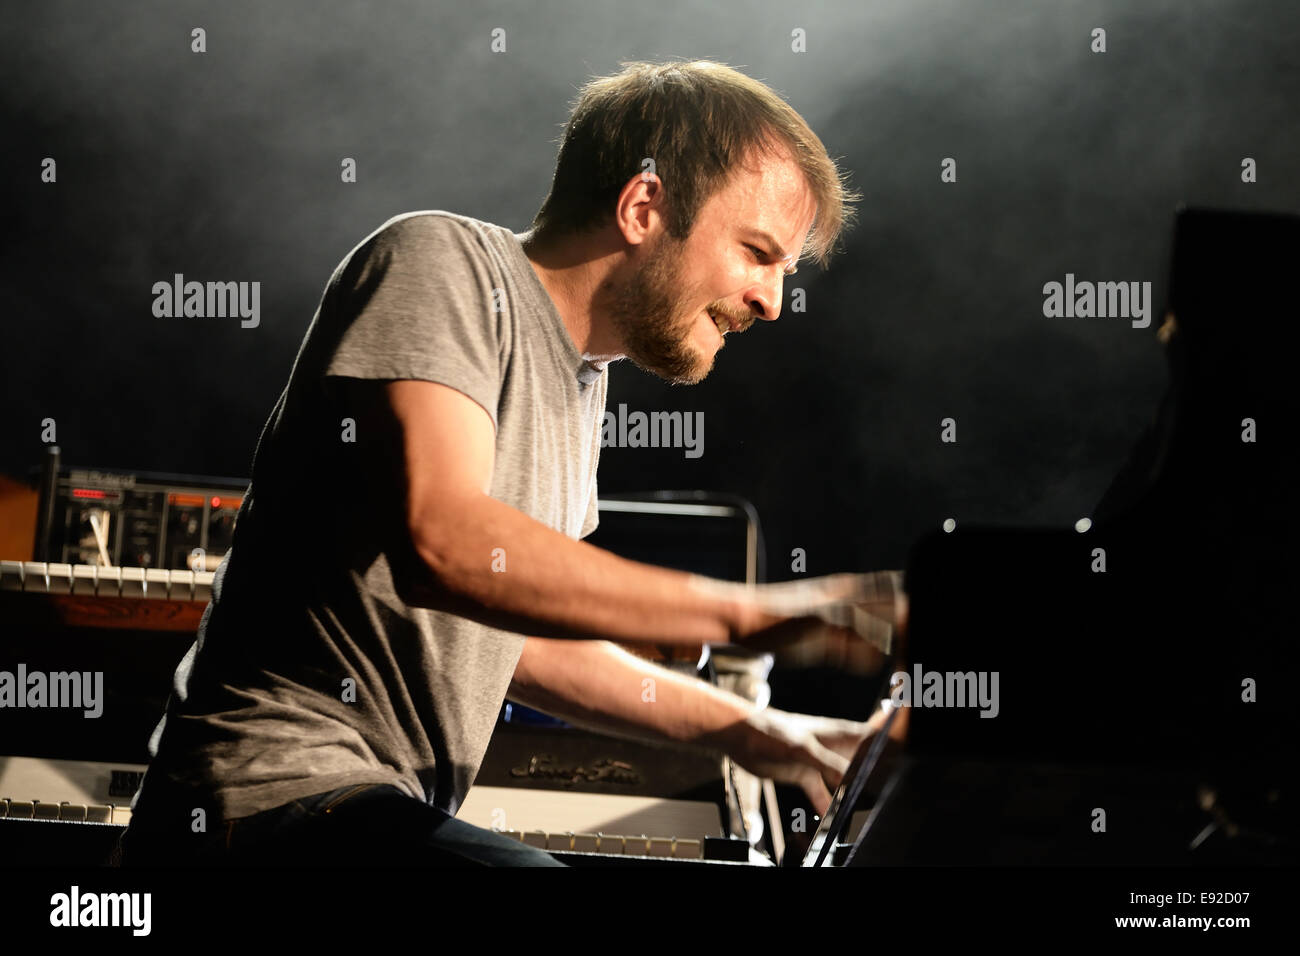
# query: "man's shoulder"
437,225
430,237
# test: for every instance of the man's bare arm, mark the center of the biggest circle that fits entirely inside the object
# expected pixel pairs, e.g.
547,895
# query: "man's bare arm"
600,686
433,454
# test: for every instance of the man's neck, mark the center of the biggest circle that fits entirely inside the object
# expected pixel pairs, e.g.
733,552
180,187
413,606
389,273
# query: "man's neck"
572,272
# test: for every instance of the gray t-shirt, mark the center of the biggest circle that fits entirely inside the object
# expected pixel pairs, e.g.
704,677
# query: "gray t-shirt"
309,672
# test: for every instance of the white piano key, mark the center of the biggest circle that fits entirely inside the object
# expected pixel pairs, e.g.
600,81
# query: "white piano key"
181,587
133,582
156,581
513,834
121,815
536,838
83,578
660,846
99,813
45,811
610,843
21,809
34,576
74,812
203,585
559,841
586,843
109,582
60,578
688,849
11,575
636,845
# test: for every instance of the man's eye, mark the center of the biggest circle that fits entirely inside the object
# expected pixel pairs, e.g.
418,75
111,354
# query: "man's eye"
759,253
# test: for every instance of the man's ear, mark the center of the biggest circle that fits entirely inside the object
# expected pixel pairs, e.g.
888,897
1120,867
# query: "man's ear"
638,214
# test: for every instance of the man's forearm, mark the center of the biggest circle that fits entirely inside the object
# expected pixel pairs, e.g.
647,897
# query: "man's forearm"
597,685
485,560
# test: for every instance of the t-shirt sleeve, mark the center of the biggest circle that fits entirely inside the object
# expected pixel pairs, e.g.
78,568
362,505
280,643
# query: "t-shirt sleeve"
592,519
416,302
593,514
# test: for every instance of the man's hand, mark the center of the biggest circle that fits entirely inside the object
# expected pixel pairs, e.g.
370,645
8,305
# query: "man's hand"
600,686
870,607
808,751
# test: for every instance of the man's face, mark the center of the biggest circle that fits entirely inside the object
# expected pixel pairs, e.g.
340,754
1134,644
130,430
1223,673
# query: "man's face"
732,266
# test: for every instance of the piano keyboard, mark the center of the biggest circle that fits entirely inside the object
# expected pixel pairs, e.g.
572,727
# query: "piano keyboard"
78,791
81,791
92,580
598,823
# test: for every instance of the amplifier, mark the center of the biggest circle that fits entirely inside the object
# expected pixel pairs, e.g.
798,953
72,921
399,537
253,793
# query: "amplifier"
137,519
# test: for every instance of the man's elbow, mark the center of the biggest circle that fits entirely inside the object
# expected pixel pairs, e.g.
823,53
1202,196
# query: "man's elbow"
434,569
424,574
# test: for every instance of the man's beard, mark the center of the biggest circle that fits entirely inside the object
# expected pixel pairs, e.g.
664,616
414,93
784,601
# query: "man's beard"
647,313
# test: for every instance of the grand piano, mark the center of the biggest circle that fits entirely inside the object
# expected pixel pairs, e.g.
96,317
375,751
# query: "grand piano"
1147,657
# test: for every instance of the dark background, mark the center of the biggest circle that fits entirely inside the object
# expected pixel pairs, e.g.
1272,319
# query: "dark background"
225,166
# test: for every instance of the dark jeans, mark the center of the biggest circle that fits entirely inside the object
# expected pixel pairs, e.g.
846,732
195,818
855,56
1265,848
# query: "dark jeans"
364,825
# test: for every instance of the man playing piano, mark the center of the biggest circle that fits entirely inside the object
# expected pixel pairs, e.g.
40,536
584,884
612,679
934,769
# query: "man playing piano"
421,486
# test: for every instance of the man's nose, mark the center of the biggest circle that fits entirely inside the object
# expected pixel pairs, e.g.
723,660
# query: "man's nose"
765,300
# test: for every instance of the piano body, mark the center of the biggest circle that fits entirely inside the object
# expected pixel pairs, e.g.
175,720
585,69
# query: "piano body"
1148,712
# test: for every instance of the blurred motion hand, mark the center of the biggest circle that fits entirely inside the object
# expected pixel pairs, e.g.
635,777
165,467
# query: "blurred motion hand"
801,749
871,607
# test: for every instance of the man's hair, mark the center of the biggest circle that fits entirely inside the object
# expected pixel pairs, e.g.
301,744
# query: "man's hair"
698,121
